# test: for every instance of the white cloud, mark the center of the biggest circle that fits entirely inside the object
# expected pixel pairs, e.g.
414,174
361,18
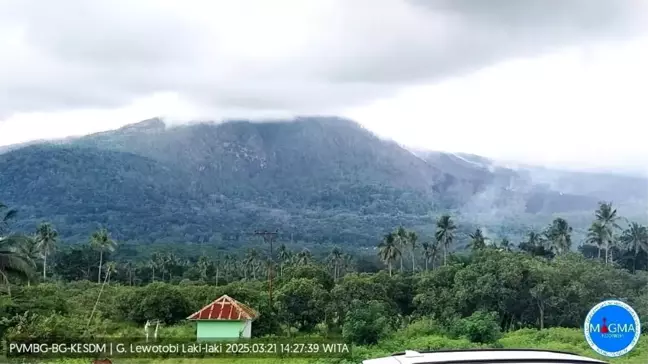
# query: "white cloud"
406,68
584,106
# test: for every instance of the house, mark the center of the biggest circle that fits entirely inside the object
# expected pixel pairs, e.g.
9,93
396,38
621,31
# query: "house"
224,318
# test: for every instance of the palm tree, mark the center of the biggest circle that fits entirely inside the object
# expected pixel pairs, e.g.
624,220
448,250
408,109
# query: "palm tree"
336,258
203,266
402,238
445,234
505,244
46,237
284,255
304,257
101,241
430,252
559,234
217,268
607,216
636,239
153,264
347,263
12,262
111,269
130,270
388,250
477,240
28,248
250,262
411,239
596,235
170,263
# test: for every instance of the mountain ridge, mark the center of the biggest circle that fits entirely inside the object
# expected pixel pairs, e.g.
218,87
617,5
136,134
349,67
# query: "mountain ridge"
327,178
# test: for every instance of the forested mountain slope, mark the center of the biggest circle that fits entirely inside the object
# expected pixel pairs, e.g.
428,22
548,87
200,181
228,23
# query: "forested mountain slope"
318,179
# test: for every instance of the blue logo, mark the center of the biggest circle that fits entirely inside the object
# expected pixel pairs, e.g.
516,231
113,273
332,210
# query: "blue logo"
612,328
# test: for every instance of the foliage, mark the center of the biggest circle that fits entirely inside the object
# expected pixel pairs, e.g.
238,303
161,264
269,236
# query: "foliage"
480,327
156,301
366,322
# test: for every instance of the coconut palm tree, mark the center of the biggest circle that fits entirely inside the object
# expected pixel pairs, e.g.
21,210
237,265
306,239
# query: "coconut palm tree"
607,216
597,235
444,235
505,244
101,241
12,261
430,252
304,257
411,239
46,237
203,266
284,256
252,258
477,240
635,237
559,235
402,239
28,248
336,259
389,251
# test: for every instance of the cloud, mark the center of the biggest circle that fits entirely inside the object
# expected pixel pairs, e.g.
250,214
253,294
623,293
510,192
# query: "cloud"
284,56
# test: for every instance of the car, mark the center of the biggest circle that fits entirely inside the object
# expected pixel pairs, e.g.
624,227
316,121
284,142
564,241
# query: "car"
485,356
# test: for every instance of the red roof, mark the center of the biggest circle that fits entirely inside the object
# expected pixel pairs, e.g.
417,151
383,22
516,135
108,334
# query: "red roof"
225,308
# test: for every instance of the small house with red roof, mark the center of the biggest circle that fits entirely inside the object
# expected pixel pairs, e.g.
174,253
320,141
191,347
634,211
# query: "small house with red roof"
224,318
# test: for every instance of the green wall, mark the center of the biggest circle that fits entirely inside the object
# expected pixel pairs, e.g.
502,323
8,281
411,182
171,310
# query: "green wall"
220,329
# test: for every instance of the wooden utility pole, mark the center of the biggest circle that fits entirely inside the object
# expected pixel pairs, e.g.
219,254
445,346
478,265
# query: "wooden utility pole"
269,238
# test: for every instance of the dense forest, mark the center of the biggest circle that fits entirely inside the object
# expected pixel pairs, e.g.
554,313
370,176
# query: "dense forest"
322,181
477,295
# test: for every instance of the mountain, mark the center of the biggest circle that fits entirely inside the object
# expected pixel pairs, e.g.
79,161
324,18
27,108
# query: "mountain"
318,179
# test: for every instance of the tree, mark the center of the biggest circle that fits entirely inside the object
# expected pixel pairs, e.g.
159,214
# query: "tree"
635,237
505,244
559,235
388,250
335,259
101,241
284,255
445,234
607,217
303,257
204,264
597,235
12,262
366,322
28,248
535,245
302,302
477,240
46,237
430,252
412,238
251,261
402,242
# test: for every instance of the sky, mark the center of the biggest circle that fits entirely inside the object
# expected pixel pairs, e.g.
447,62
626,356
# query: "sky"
556,82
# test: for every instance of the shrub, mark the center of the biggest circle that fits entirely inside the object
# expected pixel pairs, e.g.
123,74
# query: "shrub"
480,327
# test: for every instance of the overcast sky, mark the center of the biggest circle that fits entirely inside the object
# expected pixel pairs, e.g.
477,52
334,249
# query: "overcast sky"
543,81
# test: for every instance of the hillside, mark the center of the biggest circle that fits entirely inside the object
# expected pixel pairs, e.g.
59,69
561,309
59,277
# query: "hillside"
319,179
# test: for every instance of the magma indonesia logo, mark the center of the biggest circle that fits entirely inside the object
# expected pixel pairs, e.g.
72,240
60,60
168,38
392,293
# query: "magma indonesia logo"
612,328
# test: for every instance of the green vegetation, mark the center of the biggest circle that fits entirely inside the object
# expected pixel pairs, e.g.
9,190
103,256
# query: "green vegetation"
322,181
535,294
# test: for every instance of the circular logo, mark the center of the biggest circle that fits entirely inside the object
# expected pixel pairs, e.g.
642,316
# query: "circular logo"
612,328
